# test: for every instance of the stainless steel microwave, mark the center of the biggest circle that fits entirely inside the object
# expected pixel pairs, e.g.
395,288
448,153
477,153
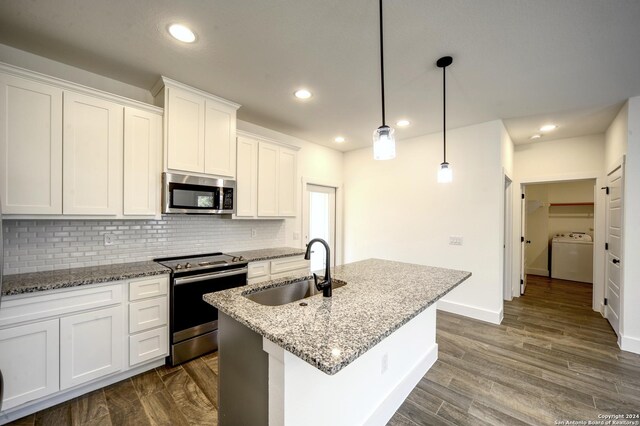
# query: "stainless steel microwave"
184,194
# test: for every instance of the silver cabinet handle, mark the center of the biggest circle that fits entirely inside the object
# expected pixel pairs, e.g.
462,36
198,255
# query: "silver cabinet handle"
211,276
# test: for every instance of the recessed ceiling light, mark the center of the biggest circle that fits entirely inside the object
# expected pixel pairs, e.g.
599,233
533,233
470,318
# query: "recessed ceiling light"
402,123
548,127
536,136
339,139
302,94
182,33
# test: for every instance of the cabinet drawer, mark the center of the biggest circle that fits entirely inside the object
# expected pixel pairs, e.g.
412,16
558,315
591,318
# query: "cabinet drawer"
27,308
288,264
258,269
148,345
148,287
147,314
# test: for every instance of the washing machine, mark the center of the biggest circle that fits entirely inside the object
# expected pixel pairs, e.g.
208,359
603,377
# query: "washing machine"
572,257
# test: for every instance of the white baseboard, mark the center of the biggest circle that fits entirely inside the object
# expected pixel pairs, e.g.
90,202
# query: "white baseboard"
538,271
630,344
396,397
494,317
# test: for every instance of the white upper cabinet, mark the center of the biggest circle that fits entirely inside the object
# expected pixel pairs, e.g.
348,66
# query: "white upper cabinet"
267,179
247,178
142,140
200,130
266,182
185,130
92,155
30,146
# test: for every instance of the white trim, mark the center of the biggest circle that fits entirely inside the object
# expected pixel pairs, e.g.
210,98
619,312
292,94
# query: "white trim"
396,397
538,271
629,344
75,87
493,317
165,81
245,134
507,251
59,397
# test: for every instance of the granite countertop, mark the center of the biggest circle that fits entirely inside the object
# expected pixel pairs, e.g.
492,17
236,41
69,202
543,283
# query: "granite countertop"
380,297
270,253
51,280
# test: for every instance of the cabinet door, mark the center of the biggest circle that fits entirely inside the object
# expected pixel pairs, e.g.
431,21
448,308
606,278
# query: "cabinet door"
219,140
142,132
90,346
287,182
92,156
267,179
247,178
29,356
30,147
185,114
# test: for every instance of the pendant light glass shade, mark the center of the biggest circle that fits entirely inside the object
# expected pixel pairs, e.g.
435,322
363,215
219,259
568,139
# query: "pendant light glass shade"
384,143
445,174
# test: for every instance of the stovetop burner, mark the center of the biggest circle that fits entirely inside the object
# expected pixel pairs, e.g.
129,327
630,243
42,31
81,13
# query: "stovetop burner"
200,261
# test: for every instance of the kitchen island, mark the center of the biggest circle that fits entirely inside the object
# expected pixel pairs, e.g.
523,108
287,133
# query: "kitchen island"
350,359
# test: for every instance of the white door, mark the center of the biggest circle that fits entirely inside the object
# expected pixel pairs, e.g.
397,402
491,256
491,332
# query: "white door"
30,154
267,179
142,141
247,178
219,140
90,346
92,156
319,221
523,244
29,362
613,269
185,127
287,181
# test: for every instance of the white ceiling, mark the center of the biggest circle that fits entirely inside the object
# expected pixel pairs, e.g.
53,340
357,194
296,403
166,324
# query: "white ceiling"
572,62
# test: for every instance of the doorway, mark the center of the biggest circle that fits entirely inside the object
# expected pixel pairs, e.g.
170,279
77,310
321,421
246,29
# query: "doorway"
558,231
319,221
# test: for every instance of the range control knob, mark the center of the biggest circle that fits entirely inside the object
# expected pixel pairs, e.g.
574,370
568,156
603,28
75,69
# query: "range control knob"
178,266
240,259
187,265
234,259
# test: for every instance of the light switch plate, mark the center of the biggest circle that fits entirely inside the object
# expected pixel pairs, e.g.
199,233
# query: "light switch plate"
455,240
108,239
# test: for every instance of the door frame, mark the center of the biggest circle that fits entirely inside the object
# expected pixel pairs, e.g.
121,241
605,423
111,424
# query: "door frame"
304,199
598,224
507,252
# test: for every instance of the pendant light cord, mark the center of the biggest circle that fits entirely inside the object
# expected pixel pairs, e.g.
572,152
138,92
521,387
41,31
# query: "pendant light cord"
444,111
382,66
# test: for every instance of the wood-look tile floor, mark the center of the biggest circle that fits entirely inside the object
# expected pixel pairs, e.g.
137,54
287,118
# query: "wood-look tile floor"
551,359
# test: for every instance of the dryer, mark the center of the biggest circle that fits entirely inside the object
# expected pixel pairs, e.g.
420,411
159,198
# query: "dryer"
572,257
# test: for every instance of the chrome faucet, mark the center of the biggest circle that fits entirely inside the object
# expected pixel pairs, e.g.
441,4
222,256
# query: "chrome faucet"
325,285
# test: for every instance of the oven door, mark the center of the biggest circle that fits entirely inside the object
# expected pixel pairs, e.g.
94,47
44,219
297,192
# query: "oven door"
191,315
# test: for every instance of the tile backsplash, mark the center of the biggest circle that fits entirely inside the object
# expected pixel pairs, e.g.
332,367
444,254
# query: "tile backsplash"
43,245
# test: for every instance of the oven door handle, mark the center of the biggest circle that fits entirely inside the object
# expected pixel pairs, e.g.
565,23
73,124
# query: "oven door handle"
211,276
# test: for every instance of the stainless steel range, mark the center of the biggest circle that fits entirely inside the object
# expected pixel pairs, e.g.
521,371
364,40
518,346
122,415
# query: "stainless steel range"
194,323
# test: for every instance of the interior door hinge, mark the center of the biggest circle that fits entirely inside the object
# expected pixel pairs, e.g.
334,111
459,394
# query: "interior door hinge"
523,196
607,189
606,301
606,246
522,239
521,281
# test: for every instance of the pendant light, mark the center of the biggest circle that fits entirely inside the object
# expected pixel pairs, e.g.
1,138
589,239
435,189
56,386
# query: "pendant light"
445,174
384,141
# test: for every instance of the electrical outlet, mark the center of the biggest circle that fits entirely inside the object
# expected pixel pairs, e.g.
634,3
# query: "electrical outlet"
384,365
296,236
455,240
109,239
254,232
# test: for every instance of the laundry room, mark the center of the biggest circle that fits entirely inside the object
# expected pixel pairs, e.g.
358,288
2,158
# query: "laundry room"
560,230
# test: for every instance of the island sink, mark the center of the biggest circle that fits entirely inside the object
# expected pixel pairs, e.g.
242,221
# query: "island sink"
276,296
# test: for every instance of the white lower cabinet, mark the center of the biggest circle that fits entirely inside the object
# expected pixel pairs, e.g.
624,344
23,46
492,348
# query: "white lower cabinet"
266,270
29,356
69,339
90,346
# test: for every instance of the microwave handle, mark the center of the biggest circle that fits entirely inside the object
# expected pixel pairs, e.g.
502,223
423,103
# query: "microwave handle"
211,276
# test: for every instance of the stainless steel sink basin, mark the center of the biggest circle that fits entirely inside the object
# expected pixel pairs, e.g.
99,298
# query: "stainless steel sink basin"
288,293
